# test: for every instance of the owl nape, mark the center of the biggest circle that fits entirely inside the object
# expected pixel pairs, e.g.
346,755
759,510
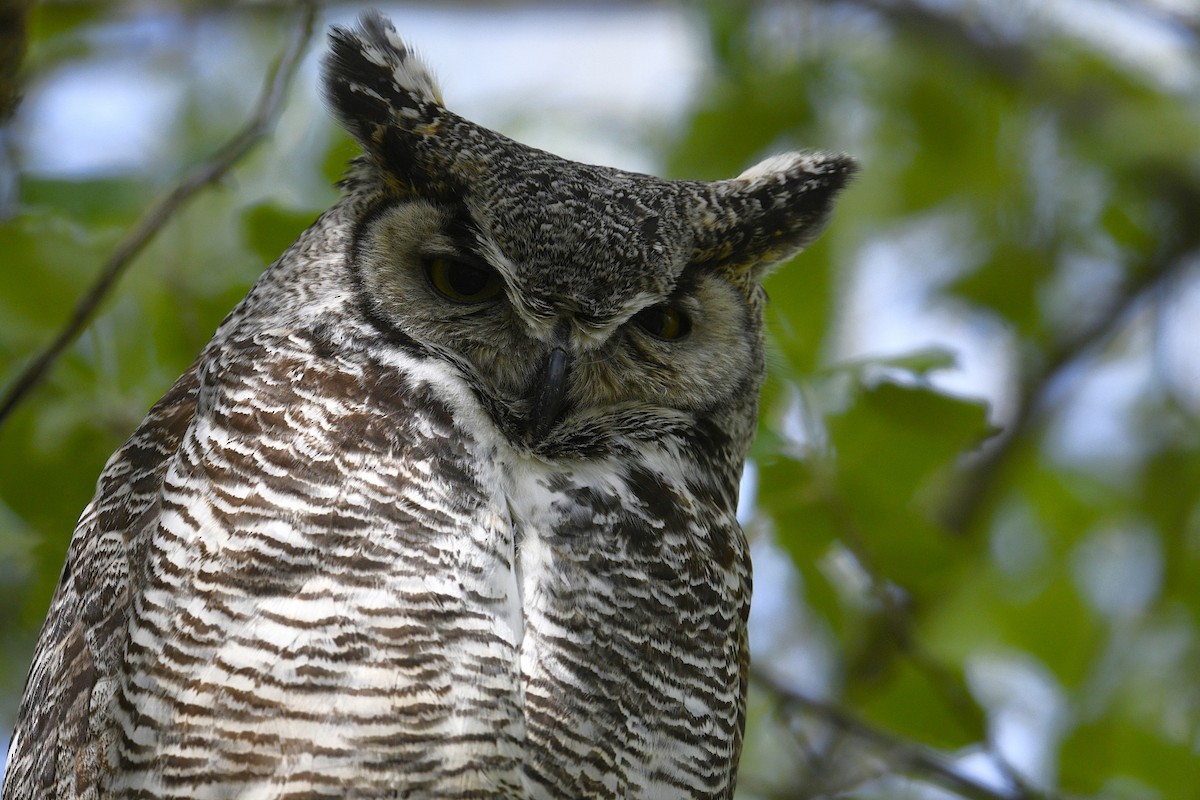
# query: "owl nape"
446,508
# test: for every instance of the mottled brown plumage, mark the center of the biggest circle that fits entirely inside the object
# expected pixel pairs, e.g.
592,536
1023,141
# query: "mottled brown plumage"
446,507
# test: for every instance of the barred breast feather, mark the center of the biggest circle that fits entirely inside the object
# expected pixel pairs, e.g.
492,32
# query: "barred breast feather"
325,590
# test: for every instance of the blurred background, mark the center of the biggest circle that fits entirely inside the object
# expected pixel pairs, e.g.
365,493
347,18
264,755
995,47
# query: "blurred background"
975,494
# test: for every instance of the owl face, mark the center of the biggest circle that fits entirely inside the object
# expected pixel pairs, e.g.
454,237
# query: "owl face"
550,352
563,292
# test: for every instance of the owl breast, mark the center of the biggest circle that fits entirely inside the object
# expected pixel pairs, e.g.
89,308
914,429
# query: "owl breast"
366,584
327,600
610,591
633,592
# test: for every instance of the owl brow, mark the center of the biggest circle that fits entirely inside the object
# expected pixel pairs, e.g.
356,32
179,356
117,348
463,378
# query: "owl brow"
364,223
689,276
466,236
590,320
461,228
685,284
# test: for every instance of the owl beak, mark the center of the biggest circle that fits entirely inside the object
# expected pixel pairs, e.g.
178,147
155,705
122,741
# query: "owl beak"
548,393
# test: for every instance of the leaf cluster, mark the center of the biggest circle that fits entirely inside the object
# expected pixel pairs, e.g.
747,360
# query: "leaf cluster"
979,447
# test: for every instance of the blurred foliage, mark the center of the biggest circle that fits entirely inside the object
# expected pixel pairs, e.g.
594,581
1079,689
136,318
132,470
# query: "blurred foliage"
992,581
1012,582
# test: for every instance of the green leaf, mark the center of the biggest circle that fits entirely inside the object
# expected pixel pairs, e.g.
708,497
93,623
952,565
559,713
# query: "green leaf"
1111,758
892,449
793,496
915,363
798,314
1008,284
895,437
336,160
49,258
911,703
270,229
92,202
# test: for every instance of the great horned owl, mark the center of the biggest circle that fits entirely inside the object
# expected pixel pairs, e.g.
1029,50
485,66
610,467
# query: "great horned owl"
446,507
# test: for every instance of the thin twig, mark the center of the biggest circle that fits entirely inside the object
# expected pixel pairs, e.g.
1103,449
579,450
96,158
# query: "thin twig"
898,620
14,33
1014,62
979,485
162,210
909,757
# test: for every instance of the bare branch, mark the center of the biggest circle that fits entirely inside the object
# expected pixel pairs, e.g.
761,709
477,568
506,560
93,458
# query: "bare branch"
978,486
908,758
1015,62
14,31
162,210
13,34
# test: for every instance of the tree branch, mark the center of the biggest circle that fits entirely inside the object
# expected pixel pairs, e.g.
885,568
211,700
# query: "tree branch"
14,32
1015,62
13,35
908,757
980,482
162,210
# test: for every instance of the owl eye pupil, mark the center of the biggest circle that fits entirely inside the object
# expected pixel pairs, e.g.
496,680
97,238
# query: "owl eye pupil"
467,280
462,282
663,322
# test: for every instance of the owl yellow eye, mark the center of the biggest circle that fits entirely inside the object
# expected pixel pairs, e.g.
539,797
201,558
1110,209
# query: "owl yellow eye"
663,322
461,282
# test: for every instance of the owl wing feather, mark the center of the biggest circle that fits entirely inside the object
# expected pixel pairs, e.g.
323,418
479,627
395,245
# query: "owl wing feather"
287,555
62,727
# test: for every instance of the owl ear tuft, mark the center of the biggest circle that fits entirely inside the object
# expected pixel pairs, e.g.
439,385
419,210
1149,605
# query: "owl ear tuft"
770,212
377,85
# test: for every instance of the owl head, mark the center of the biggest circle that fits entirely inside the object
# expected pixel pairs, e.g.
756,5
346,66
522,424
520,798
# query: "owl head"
584,305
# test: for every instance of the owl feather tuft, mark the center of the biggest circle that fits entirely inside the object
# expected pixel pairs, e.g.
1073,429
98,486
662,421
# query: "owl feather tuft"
770,212
378,86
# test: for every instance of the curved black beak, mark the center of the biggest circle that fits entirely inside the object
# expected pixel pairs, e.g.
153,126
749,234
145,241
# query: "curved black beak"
547,393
